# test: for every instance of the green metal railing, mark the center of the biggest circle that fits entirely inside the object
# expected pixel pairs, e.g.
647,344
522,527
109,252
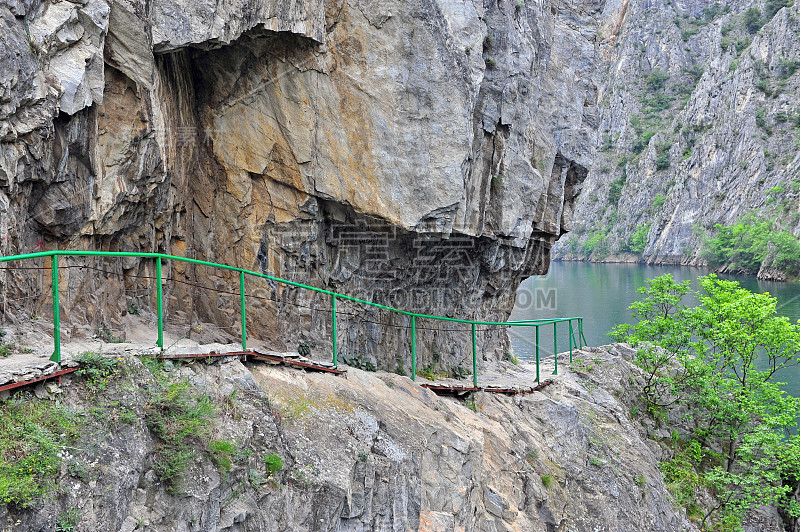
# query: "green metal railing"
574,342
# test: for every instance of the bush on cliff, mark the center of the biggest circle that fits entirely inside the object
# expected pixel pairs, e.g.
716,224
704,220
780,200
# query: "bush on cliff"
714,365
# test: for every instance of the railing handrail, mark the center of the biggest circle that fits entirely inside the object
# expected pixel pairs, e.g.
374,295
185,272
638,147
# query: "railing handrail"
334,295
74,253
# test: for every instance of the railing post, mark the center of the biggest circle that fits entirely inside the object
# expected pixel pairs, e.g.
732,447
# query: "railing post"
56,315
333,332
474,359
555,346
413,348
571,339
159,305
580,333
244,316
583,338
537,353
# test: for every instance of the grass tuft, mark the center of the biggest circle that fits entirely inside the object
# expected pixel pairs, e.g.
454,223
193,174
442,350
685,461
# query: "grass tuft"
178,417
33,435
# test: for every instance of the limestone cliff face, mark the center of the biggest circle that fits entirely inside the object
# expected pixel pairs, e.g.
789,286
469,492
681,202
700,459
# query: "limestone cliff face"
282,136
698,116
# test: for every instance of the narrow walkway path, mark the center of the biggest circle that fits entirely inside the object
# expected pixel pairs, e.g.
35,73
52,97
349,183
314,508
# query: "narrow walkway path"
24,369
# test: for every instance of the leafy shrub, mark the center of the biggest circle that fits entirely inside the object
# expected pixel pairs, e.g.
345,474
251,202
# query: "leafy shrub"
273,462
360,361
460,372
594,243
662,160
97,369
694,73
531,455
657,79
108,336
765,86
511,358
547,481
680,474
642,141
742,44
222,452
658,102
67,521
761,120
400,370
428,372
470,403
726,29
788,67
79,470
303,349
5,349
773,6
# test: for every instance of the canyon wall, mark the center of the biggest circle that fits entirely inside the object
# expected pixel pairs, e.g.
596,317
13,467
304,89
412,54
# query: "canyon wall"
699,116
423,154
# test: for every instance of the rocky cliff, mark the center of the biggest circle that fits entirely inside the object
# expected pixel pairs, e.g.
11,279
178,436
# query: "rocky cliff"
424,154
698,112
362,452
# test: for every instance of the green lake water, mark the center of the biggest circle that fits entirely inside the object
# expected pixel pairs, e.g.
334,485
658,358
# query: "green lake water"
601,293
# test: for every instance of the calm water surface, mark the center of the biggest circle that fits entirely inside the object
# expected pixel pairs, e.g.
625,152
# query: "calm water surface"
601,293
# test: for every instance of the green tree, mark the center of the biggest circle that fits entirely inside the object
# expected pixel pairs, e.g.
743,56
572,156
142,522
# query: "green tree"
773,6
747,244
637,242
752,20
715,363
615,190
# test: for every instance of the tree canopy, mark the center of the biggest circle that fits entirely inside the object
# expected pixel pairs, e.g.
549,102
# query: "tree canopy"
714,365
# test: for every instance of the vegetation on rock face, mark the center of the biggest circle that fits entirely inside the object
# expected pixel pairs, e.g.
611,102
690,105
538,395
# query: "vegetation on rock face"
596,243
97,369
713,365
638,240
179,417
748,244
31,443
615,190
273,462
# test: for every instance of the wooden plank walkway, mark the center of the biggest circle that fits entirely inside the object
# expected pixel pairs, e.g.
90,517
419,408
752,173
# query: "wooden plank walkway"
459,390
287,359
57,374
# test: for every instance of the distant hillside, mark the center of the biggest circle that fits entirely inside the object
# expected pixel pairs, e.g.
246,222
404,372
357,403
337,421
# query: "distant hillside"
700,111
